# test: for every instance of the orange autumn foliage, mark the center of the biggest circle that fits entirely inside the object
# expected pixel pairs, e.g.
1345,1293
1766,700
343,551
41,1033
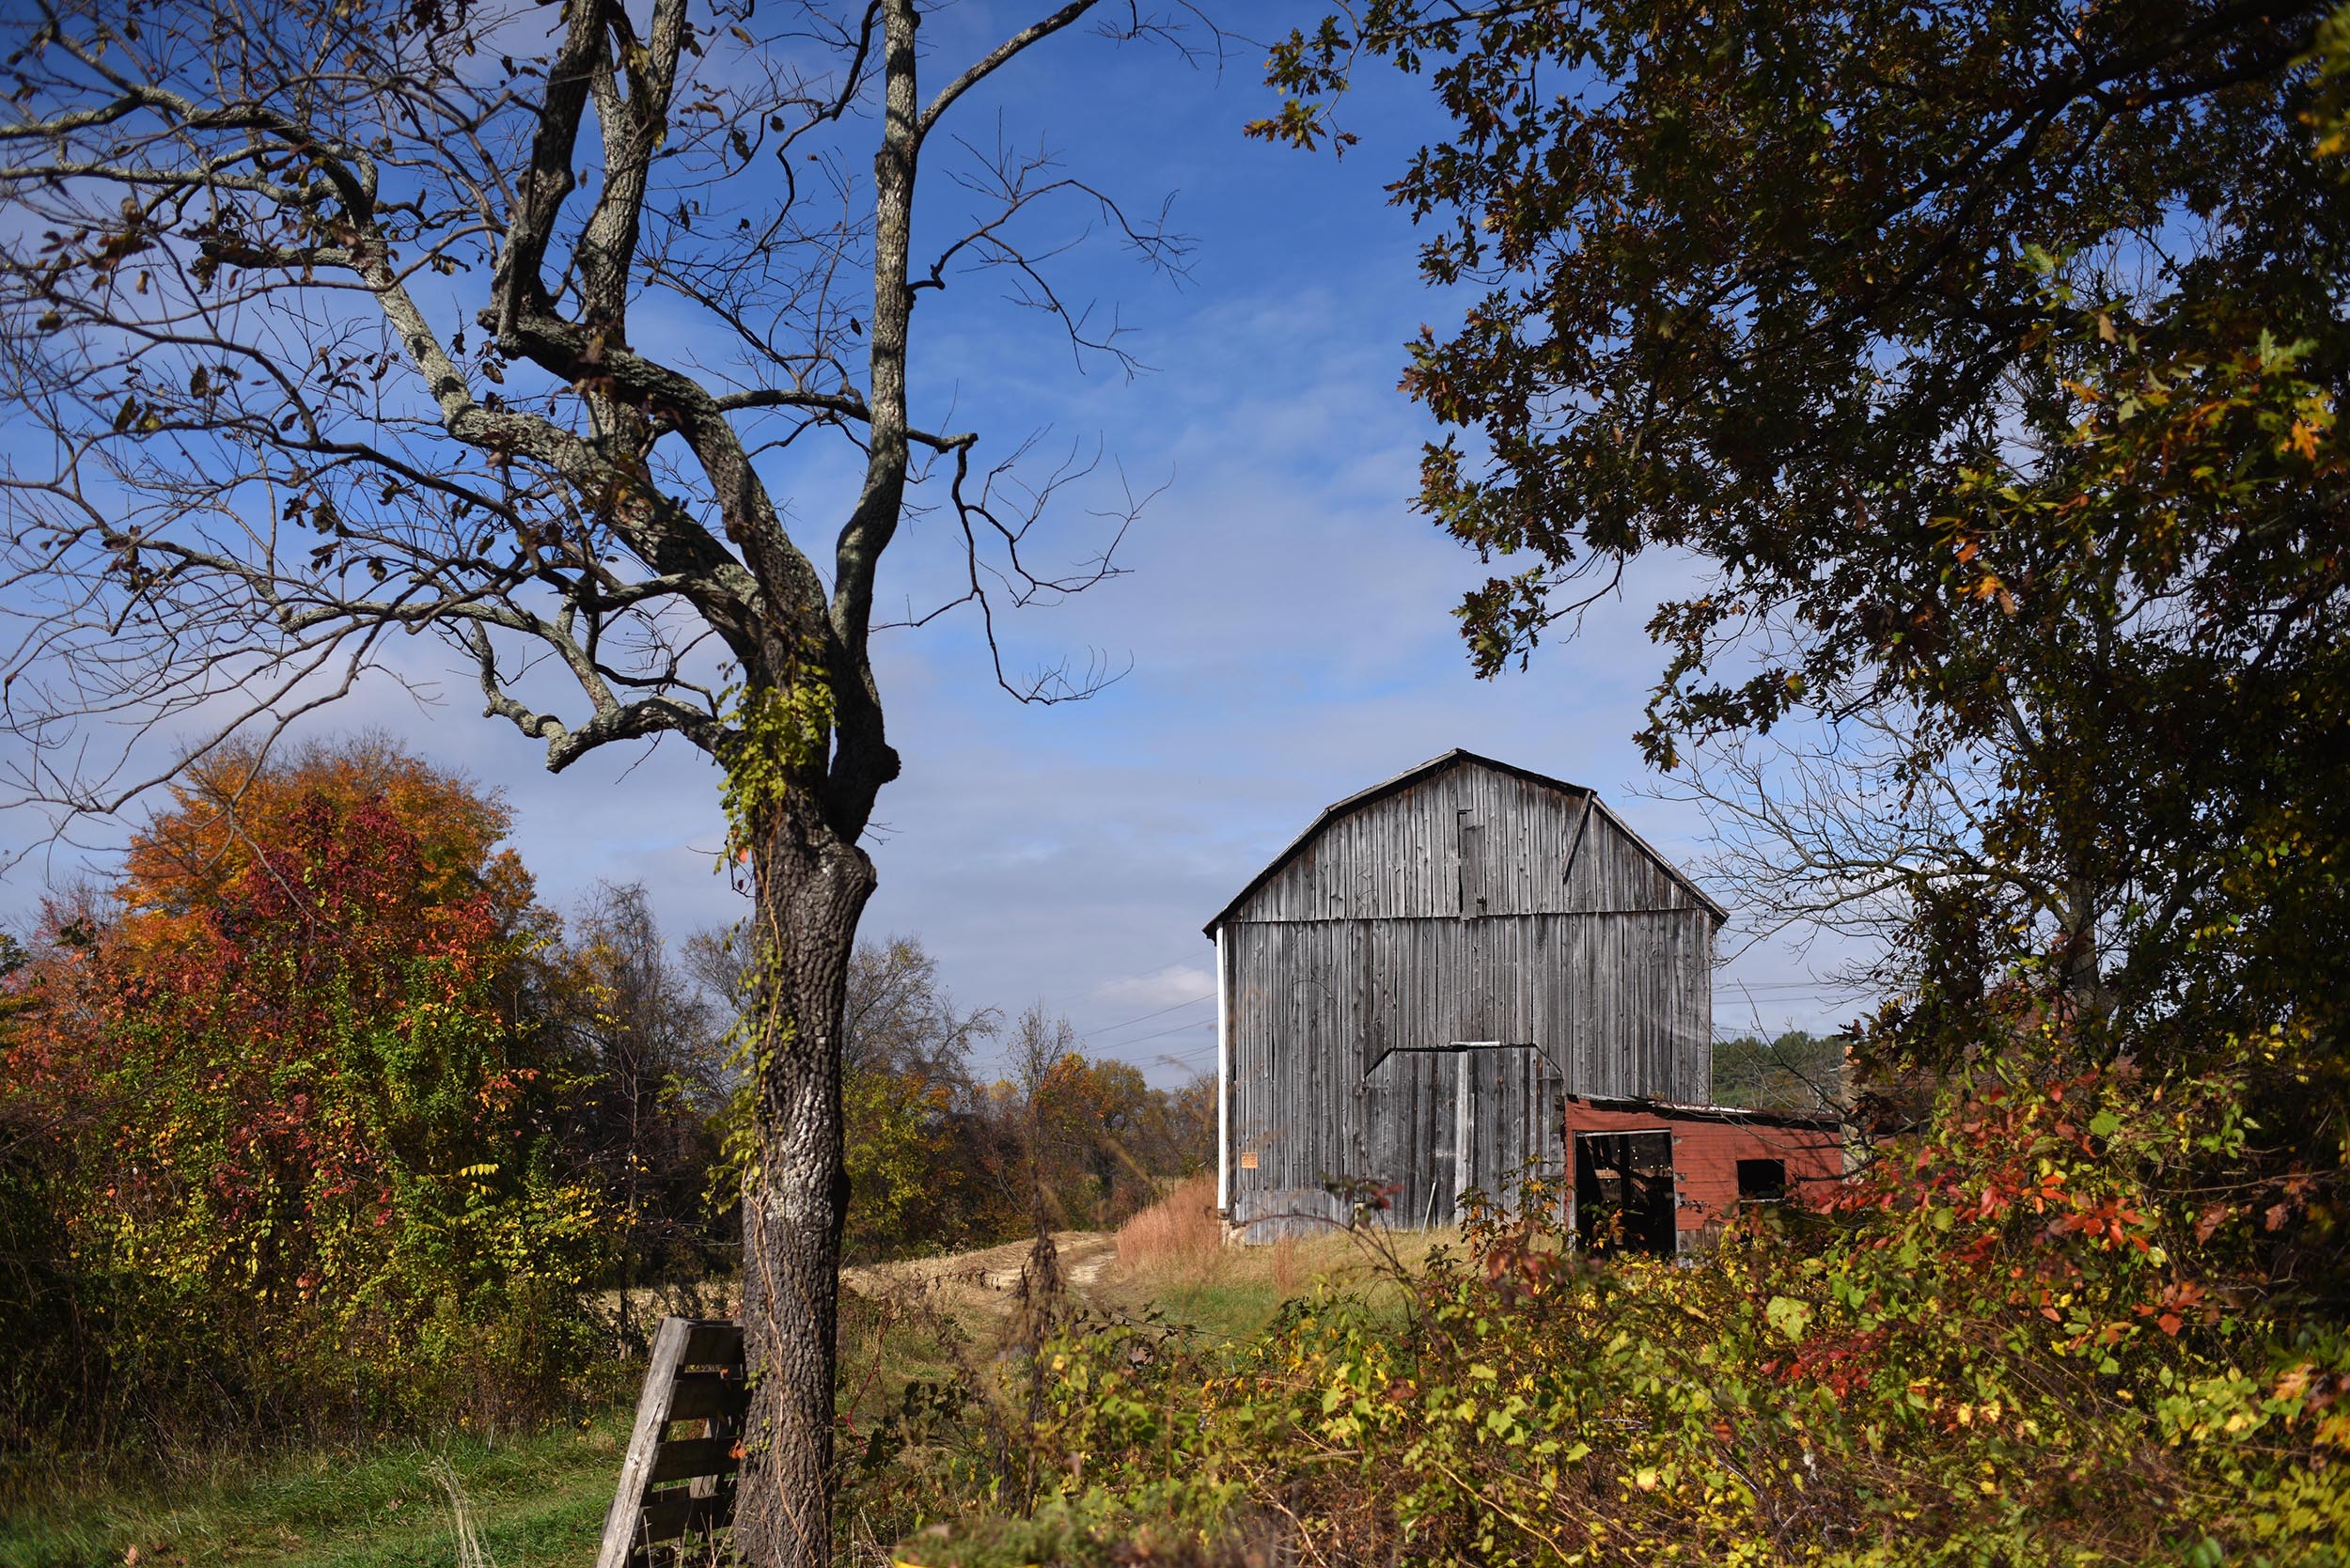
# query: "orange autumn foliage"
302,1115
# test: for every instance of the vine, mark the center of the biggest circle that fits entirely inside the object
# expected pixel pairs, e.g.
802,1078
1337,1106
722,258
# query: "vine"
778,731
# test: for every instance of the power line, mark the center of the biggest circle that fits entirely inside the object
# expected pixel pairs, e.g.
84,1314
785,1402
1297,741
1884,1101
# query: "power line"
1794,992
1113,1028
1144,1040
1186,1057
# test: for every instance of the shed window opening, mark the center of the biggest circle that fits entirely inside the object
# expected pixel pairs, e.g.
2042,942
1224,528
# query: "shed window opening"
1761,1181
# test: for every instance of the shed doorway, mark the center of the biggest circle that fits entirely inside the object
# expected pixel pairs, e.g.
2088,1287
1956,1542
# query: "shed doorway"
1623,1192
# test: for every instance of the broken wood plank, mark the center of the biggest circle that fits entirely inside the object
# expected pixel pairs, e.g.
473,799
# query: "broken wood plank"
715,1396
644,1443
685,1458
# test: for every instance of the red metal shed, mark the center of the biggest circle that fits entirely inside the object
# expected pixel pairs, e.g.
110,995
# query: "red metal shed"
1660,1177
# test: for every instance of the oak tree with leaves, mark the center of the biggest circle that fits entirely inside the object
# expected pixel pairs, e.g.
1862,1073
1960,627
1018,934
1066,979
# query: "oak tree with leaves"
1986,355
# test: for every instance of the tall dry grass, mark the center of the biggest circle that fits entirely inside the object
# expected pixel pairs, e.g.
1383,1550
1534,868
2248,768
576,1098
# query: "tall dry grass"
1287,1272
1176,1238
463,1528
1172,1257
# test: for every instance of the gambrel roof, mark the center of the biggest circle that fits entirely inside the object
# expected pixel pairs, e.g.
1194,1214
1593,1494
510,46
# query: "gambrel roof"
1457,758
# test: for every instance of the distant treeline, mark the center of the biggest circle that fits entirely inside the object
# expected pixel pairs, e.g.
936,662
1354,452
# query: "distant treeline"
1792,1070
313,1117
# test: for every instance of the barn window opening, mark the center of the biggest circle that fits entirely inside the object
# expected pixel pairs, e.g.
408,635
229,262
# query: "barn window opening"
1761,1181
1623,1192
1470,894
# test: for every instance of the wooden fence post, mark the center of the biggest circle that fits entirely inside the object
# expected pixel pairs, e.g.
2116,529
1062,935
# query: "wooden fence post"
672,1487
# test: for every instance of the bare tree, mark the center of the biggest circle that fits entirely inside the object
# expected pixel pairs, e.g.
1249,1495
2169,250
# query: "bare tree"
1037,1046
1831,831
901,1019
1863,823
655,1044
329,321
896,1014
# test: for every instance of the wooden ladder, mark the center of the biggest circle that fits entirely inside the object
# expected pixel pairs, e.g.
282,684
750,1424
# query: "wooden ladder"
673,1488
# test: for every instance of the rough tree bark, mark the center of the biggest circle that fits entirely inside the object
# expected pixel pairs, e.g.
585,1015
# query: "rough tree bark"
813,886
248,244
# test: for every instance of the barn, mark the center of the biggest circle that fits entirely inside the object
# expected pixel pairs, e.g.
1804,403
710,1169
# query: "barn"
1417,990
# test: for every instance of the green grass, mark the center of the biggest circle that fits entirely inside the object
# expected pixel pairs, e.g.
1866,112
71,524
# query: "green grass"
1218,1310
1234,1295
538,1502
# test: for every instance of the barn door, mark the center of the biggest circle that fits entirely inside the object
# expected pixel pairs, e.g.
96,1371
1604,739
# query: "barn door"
1438,1122
1409,1135
1508,1122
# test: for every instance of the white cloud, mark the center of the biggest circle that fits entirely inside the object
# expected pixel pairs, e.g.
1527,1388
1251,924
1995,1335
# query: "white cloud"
1168,987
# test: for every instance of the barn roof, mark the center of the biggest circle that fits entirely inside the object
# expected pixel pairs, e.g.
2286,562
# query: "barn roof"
1412,775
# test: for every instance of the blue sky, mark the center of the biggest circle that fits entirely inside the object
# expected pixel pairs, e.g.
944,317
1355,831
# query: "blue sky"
1284,619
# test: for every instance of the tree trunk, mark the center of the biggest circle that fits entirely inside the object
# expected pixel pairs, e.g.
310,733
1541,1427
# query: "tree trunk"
2081,962
811,890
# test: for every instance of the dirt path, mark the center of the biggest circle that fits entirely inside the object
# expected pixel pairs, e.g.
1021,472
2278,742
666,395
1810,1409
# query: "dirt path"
985,1283
1083,1256
1083,1270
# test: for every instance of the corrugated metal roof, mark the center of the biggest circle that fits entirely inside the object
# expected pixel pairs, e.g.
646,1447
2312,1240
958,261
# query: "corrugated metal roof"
1670,1110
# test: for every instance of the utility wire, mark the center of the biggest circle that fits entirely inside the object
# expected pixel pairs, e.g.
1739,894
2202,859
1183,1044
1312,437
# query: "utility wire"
1144,1040
1113,1028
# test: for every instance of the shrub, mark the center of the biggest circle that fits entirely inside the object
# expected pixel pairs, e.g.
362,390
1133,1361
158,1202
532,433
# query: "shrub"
1996,1350
301,1153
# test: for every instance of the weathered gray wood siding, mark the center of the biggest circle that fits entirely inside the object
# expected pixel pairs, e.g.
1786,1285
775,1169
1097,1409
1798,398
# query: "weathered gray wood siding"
1469,906
1469,840
1412,1128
